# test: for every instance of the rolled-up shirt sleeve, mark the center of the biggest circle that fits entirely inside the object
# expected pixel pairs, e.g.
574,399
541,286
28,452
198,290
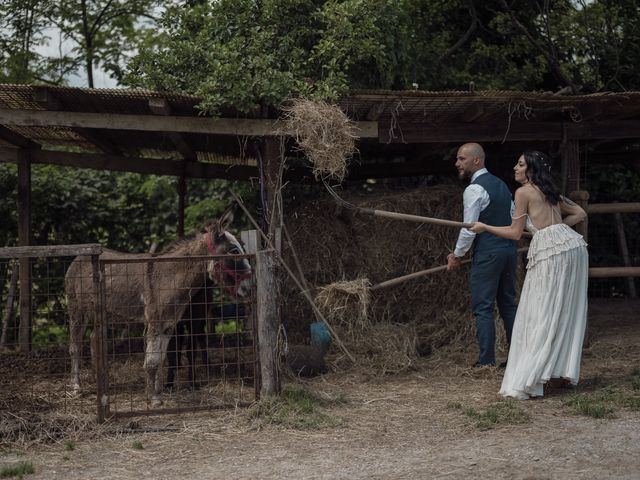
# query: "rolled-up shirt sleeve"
475,199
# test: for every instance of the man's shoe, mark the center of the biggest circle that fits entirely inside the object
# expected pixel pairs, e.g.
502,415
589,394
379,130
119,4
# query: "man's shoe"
480,365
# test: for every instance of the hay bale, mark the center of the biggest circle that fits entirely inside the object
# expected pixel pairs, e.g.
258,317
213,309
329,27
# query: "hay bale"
433,312
324,133
346,303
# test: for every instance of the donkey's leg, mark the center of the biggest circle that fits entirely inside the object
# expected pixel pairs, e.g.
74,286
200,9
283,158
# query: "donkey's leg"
173,356
155,353
77,326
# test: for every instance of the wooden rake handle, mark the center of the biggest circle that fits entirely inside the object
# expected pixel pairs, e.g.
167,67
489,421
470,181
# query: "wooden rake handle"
411,276
414,218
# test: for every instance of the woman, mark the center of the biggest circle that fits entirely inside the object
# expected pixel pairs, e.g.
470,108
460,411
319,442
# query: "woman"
552,314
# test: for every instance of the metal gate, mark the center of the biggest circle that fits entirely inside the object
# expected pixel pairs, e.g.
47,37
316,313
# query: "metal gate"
210,349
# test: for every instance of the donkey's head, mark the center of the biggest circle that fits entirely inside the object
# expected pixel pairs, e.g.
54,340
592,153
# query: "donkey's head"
232,272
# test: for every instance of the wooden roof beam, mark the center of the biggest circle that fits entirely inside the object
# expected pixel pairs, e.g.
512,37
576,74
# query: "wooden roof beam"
405,132
16,139
151,123
472,113
160,106
134,165
51,102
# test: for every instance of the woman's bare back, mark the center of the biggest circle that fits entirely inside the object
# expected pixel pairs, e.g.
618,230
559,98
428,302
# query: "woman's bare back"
543,214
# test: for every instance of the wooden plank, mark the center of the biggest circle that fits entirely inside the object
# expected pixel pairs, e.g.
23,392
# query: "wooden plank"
624,251
133,164
24,239
16,139
160,106
518,130
51,250
154,123
596,208
608,272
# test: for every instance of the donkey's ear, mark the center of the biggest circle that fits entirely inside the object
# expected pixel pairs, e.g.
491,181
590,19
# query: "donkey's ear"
226,219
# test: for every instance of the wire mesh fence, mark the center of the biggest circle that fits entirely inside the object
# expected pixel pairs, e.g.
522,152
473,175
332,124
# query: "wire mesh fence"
74,340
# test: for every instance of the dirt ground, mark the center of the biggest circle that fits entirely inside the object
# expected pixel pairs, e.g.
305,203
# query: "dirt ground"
412,425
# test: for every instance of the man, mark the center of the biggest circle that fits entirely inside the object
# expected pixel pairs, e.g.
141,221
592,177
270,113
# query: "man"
493,269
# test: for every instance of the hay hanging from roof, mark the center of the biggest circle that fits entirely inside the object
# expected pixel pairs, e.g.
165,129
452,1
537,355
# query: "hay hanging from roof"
324,133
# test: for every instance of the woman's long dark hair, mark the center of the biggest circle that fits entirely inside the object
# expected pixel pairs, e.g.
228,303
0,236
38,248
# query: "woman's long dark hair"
538,173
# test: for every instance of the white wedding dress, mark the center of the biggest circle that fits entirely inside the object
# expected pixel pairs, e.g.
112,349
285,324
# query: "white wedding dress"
552,313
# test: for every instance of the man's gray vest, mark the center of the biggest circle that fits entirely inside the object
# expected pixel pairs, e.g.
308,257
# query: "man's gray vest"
497,213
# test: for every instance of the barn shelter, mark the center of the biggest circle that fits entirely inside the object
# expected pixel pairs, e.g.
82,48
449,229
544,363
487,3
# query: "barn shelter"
401,134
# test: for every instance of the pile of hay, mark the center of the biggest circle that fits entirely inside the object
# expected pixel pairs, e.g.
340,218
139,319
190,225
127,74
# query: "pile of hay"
391,327
345,303
324,133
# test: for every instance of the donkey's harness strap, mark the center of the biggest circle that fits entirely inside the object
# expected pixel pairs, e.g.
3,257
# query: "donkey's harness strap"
219,267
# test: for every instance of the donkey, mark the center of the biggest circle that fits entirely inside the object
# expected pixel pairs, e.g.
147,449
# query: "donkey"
198,330
133,287
165,302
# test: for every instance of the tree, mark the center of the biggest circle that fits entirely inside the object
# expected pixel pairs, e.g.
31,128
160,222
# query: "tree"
23,24
103,31
250,54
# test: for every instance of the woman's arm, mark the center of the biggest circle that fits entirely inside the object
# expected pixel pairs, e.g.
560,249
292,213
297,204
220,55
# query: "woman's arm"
513,231
571,212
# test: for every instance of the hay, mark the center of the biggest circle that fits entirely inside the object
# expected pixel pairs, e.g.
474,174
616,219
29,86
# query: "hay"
411,320
324,133
346,304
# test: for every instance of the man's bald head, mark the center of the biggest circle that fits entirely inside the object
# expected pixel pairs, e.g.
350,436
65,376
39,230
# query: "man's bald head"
469,160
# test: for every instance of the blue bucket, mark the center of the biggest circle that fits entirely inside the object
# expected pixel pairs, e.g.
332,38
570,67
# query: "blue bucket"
320,336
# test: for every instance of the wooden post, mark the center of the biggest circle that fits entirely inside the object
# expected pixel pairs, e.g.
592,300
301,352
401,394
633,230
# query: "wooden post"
182,191
570,158
24,239
268,271
268,323
98,339
9,310
581,197
272,182
624,250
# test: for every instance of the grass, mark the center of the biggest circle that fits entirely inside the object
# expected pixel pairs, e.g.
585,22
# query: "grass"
603,403
137,445
18,470
69,446
298,409
501,413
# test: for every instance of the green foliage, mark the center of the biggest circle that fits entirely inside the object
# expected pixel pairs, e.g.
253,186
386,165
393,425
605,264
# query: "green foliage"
102,32
137,445
18,470
247,54
23,29
296,408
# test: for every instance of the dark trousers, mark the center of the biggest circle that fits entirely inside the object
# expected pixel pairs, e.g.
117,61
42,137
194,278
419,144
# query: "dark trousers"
493,280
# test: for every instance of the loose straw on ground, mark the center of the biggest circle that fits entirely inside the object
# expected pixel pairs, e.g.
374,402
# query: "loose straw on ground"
294,278
324,133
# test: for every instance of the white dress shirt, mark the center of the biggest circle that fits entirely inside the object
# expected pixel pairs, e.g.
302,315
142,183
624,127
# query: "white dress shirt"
475,199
